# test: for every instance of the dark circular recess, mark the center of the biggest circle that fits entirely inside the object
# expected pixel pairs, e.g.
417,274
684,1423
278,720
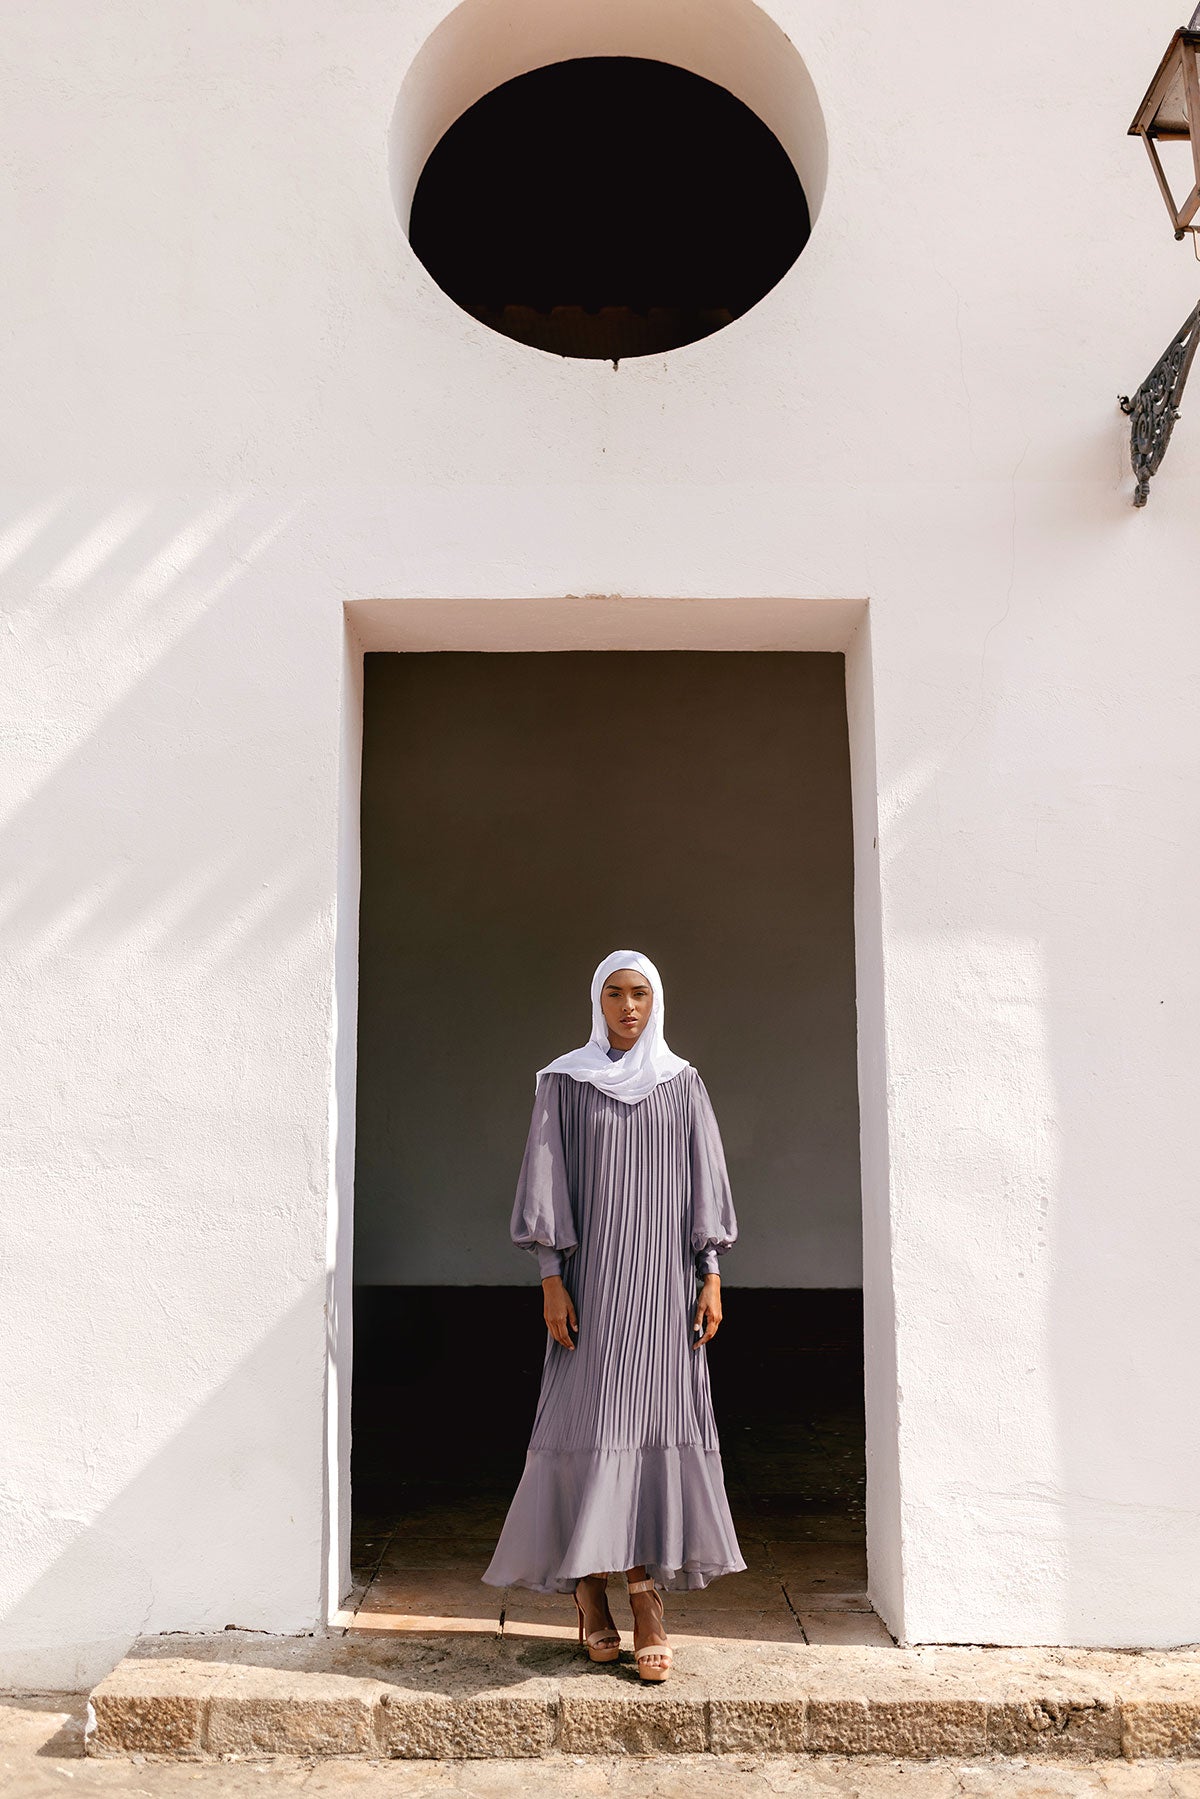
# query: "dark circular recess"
609,206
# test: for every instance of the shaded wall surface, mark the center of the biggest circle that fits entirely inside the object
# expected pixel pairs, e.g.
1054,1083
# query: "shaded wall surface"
522,816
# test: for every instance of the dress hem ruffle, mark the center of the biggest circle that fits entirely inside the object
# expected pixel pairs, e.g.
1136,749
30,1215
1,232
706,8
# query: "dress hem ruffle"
582,1511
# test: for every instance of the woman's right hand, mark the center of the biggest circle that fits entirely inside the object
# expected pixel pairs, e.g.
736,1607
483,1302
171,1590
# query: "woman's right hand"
558,1310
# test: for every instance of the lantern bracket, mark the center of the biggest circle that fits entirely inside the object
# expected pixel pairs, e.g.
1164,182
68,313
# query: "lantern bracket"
1154,408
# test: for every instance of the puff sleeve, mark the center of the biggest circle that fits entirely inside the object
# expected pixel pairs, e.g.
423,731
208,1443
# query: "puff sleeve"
714,1223
543,1218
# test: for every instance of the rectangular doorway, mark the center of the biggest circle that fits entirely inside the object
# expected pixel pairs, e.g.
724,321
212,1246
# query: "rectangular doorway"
522,815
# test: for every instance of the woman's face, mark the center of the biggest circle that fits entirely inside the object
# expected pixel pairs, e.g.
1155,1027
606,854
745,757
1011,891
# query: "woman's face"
625,1000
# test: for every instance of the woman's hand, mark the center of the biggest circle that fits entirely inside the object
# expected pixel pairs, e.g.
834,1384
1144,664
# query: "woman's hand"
708,1311
558,1310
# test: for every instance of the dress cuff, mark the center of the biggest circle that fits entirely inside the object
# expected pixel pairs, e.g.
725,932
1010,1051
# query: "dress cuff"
550,1261
707,1261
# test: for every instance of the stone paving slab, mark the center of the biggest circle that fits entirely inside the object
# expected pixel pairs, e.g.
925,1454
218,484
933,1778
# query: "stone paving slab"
447,1696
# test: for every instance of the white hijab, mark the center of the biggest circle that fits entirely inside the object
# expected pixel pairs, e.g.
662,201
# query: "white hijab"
636,1073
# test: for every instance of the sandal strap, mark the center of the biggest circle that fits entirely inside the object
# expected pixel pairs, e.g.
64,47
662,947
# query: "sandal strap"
608,1634
660,1651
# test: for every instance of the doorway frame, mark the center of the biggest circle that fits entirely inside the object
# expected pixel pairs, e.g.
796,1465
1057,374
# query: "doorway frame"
616,622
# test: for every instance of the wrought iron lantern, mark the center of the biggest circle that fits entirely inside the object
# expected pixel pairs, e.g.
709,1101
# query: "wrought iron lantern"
1170,113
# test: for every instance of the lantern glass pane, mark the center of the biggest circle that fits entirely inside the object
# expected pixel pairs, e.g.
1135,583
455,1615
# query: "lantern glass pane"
1175,158
1171,113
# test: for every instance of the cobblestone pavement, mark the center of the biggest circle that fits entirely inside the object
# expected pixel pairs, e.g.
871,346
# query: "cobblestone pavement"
41,1752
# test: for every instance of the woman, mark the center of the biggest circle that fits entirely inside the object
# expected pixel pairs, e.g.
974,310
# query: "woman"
624,1198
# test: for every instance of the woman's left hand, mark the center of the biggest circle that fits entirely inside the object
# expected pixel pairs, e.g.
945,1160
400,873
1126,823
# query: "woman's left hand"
707,1317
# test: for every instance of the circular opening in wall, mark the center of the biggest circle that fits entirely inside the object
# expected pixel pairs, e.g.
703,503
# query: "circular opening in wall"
608,206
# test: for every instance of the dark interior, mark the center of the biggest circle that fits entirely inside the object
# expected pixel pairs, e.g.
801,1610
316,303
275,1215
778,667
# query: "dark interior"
446,1384
490,847
608,207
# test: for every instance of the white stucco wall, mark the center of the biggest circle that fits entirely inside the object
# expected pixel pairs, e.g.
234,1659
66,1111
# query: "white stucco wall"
236,402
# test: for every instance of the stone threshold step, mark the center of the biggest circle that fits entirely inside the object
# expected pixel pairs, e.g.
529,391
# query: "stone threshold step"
379,1695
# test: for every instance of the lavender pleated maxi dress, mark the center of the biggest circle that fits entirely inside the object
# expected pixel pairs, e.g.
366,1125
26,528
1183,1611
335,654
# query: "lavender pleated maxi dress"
629,1203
